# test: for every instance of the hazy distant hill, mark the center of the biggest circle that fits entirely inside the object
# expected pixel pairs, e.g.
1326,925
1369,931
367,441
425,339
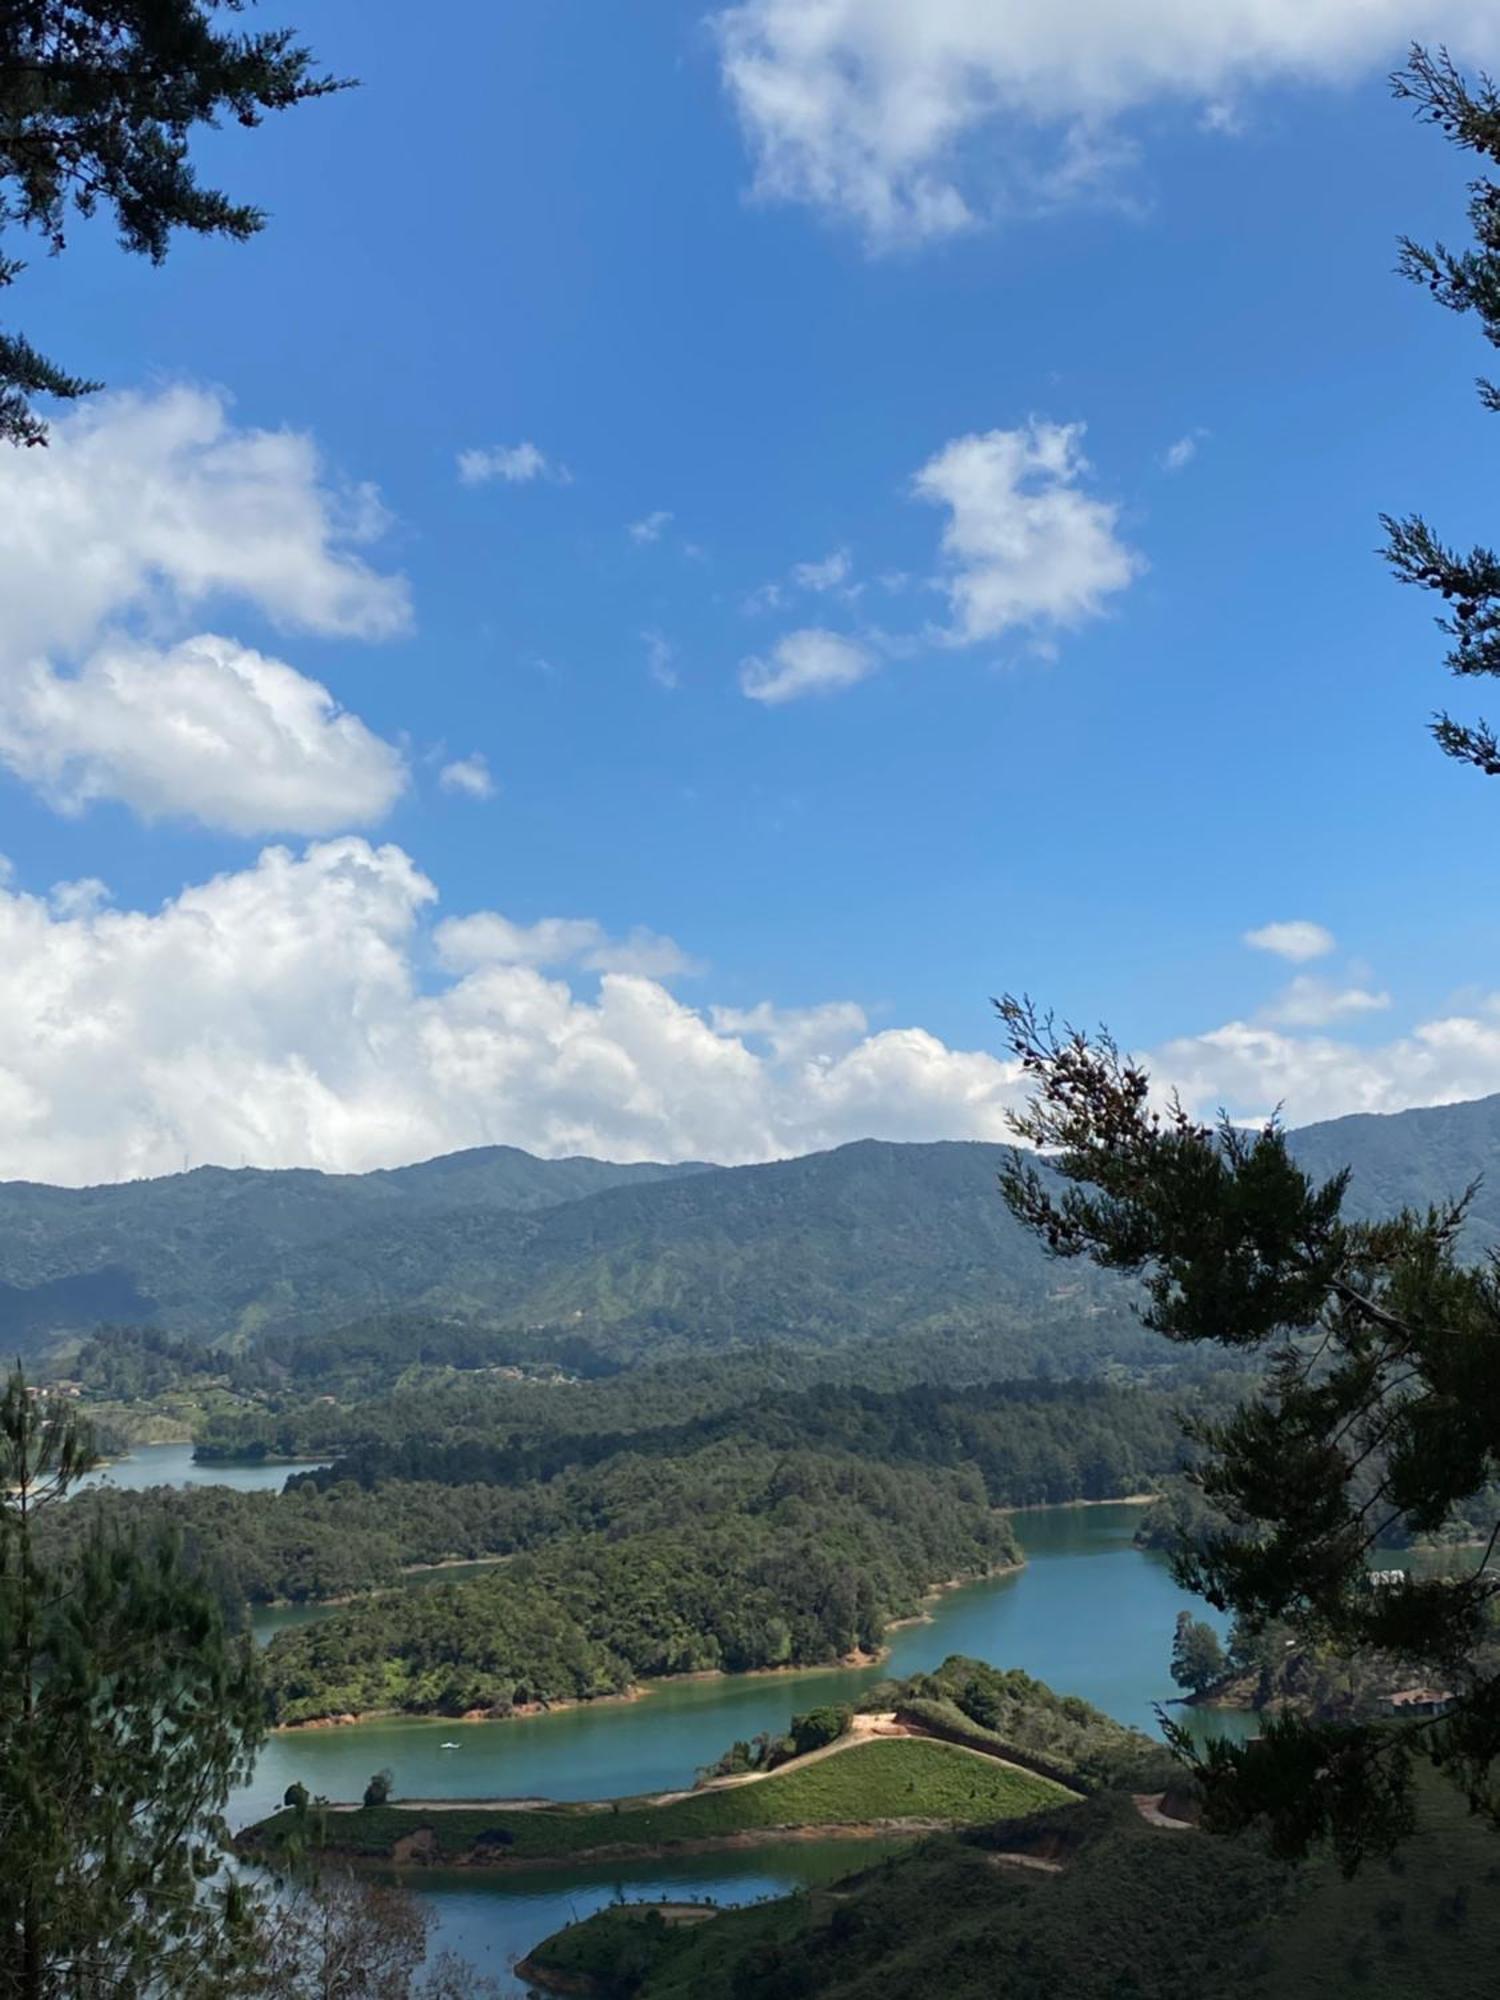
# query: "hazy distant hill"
1413,1159
207,1250
869,1239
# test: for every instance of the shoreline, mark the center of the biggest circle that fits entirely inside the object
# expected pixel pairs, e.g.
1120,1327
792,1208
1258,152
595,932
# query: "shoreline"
374,1589
1051,1506
911,1828
529,1711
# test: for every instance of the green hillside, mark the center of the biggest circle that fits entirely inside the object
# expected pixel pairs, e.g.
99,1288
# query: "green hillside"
1122,1911
869,1240
902,1779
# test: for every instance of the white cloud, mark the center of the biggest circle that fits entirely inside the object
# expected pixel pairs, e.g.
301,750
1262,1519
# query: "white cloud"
207,730
515,464
812,661
661,656
829,574
487,938
1309,1002
1024,545
796,1032
1180,454
304,1010
1250,1070
915,122
159,504
1296,939
142,511
649,527
276,1016
469,776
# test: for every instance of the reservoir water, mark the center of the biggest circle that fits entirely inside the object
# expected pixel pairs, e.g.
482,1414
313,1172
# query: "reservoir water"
1090,1614
174,1465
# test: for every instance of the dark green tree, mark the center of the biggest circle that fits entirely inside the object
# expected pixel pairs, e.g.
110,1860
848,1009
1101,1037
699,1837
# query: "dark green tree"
125,1718
1465,281
99,100
1197,1657
1379,1405
378,1791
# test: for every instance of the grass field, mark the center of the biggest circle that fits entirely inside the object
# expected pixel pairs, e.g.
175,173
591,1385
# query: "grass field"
903,1778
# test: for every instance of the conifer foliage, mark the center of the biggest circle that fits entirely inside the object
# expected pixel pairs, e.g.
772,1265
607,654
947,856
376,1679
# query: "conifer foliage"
99,100
1466,281
1379,1404
125,1718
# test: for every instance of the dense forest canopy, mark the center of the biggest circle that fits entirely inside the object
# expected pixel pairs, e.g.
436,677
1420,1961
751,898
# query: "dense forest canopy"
871,1240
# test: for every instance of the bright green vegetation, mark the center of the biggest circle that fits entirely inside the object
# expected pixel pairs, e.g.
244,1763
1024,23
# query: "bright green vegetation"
767,1752
1009,1714
864,1785
1135,1911
733,1559
1002,1712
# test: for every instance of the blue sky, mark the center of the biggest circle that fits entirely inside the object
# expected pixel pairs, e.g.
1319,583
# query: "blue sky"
880,333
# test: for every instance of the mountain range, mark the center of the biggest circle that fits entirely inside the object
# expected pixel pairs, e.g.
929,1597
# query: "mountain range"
870,1239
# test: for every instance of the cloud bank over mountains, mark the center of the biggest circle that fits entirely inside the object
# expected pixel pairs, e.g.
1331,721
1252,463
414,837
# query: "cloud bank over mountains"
309,1009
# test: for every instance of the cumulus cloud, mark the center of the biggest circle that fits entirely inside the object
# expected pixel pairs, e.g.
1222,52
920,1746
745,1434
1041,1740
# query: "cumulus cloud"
1295,939
1251,1069
812,661
208,730
514,464
161,504
649,527
286,1014
307,1010
143,511
487,938
915,122
1309,1002
1025,544
468,776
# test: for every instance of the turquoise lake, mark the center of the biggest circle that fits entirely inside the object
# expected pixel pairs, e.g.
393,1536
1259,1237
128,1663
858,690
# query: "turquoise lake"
174,1465
1090,1614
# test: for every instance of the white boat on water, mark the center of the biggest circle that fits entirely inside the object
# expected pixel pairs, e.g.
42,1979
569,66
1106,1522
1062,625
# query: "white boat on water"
447,1746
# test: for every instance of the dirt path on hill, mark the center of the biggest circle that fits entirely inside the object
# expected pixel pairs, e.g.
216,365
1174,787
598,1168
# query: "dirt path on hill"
862,1729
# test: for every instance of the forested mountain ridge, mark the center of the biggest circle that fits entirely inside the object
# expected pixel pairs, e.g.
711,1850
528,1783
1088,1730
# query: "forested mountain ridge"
1415,1159
870,1238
